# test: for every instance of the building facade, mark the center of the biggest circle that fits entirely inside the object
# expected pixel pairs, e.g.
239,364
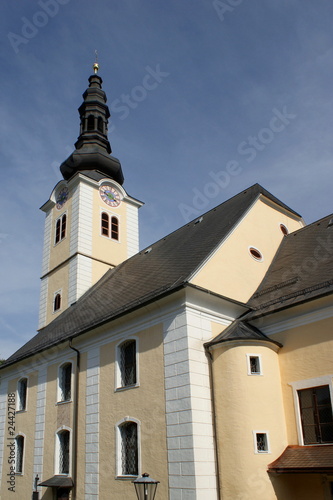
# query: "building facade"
204,359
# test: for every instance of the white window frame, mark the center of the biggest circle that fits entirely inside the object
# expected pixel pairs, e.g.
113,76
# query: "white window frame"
18,399
308,384
59,388
23,455
119,469
57,451
248,356
118,383
256,451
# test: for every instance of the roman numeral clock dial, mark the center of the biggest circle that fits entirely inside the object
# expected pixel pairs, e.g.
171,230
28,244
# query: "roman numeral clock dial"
110,196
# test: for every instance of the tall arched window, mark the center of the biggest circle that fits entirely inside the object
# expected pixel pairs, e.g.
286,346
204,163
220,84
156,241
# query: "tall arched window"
127,363
91,122
22,394
114,228
63,451
128,460
65,382
61,228
105,227
19,449
57,302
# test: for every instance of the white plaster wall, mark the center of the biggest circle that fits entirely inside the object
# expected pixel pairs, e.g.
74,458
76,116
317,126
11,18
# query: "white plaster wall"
47,243
80,277
40,424
82,219
191,455
132,230
43,302
92,426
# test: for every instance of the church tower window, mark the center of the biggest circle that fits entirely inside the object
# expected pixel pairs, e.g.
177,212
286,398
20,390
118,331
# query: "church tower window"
60,228
105,229
91,122
57,302
100,125
114,228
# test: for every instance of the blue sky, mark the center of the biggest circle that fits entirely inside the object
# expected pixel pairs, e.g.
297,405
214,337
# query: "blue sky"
239,92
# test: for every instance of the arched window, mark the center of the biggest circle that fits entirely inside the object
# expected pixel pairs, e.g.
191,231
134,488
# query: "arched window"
63,226
114,228
60,228
128,460
105,228
57,302
22,394
127,363
91,122
65,382
100,124
19,452
57,235
63,448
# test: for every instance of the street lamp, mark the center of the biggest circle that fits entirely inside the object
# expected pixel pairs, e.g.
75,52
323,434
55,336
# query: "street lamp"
145,487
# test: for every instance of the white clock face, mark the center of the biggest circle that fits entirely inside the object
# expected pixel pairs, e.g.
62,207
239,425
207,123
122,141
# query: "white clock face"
110,196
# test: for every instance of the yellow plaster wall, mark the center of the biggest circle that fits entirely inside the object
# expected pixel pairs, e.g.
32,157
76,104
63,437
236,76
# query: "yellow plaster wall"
306,354
247,403
56,415
24,423
145,403
60,251
104,248
231,271
57,281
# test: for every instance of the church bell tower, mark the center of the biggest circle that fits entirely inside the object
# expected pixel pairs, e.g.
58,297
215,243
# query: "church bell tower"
91,222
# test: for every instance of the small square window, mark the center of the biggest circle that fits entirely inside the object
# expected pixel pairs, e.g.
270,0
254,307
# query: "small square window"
261,444
253,364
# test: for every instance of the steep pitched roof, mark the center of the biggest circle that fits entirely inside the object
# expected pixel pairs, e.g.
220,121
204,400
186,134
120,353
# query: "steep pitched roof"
301,270
241,331
161,269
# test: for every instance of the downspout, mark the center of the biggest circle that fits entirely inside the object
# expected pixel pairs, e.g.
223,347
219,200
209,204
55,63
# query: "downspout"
75,419
212,392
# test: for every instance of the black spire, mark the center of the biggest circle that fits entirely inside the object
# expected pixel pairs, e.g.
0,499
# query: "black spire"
92,147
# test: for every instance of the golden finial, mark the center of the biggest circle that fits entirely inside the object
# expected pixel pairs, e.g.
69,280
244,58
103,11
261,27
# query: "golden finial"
96,65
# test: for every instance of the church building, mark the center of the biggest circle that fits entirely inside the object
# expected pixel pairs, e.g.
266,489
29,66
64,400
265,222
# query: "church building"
204,360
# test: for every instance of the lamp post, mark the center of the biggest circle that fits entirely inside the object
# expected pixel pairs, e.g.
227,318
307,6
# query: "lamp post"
145,487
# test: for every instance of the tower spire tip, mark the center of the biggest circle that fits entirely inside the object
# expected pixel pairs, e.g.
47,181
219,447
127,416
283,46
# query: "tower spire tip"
96,65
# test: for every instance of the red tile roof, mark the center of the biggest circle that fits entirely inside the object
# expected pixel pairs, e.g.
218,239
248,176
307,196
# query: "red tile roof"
304,459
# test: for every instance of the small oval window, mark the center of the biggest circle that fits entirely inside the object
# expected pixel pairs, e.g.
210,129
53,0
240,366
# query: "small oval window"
255,253
284,229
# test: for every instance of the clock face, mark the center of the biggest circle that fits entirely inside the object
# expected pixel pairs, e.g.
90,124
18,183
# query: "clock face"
110,195
62,198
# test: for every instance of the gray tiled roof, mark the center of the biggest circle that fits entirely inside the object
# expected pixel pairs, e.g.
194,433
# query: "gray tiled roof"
241,331
301,270
148,275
